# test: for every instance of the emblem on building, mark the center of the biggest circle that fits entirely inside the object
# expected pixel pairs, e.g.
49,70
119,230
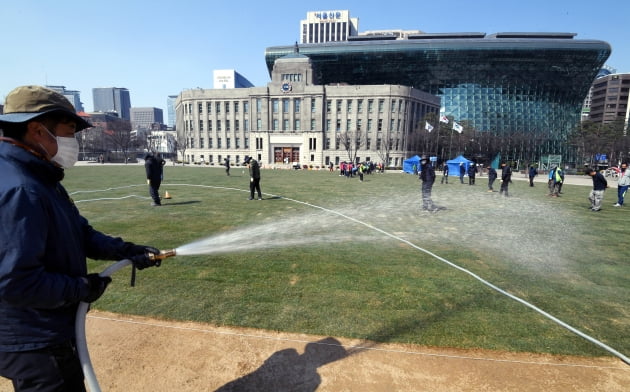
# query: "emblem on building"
286,87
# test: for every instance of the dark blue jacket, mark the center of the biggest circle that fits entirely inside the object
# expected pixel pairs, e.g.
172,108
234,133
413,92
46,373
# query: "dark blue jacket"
44,242
599,182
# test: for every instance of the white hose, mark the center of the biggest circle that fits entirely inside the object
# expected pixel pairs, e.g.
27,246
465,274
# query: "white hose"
79,325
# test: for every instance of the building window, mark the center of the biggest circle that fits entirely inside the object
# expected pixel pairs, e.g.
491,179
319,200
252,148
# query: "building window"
218,107
274,105
245,106
227,125
296,125
296,105
218,142
210,142
227,107
258,105
338,105
328,125
246,125
227,142
327,143
349,106
285,125
237,125
313,122
328,105
274,126
209,107
218,125
285,106
380,125
359,123
393,106
258,124
209,125
313,105
360,106
201,142
235,107
369,125
368,143
200,107
381,103
348,125
200,125
370,105
237,142
338,127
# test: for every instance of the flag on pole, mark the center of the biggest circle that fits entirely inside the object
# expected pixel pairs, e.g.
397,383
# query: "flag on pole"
444,119
428,126
457,127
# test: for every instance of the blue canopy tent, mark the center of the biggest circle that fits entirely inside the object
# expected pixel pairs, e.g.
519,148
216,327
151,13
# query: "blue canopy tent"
409,163
453,165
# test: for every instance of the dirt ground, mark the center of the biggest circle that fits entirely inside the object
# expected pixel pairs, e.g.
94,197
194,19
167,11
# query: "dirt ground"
142,354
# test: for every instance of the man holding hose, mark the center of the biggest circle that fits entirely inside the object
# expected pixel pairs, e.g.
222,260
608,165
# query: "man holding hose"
44,243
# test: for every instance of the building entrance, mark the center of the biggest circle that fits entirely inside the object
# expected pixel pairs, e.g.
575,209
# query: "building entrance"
286,154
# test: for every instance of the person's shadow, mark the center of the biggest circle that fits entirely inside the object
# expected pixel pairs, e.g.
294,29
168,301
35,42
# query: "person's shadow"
286,370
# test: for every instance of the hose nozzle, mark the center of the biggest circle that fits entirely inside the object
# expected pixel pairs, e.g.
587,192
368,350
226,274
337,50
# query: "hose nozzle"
163,255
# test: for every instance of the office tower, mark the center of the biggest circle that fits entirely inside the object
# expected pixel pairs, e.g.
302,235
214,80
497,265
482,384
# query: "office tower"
112,100
328,26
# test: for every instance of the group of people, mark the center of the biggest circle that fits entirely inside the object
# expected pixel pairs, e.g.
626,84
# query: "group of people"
350,169
600,185
44,243
427,176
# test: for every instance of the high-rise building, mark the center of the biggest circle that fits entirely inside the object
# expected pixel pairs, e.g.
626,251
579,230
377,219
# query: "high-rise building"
73,96
146,118
328,26
170,110
229,78
527,84
112,100
609,98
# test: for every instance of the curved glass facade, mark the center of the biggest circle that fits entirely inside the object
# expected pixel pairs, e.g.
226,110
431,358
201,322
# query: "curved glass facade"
503,83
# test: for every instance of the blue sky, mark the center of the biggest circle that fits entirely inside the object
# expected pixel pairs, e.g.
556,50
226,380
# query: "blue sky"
159,48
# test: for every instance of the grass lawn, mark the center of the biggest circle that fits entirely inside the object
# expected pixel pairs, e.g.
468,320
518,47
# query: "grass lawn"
356,270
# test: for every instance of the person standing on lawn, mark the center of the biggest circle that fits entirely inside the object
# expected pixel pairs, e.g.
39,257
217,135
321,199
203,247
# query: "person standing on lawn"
623,184
597,193
492,176
44,243
506,178
254,177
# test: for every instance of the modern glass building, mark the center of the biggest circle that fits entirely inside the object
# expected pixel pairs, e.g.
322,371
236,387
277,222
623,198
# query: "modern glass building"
505,83
112,99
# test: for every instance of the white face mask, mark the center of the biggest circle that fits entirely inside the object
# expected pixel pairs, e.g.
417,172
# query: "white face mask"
67,150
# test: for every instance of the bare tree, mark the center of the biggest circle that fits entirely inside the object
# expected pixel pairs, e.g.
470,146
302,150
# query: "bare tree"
181,145
352,142
119,136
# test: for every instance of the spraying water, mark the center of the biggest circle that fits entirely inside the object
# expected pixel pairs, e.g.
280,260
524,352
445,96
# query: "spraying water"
309,229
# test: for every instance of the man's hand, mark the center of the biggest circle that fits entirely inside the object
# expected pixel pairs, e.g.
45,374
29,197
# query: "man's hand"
96,286
139,255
